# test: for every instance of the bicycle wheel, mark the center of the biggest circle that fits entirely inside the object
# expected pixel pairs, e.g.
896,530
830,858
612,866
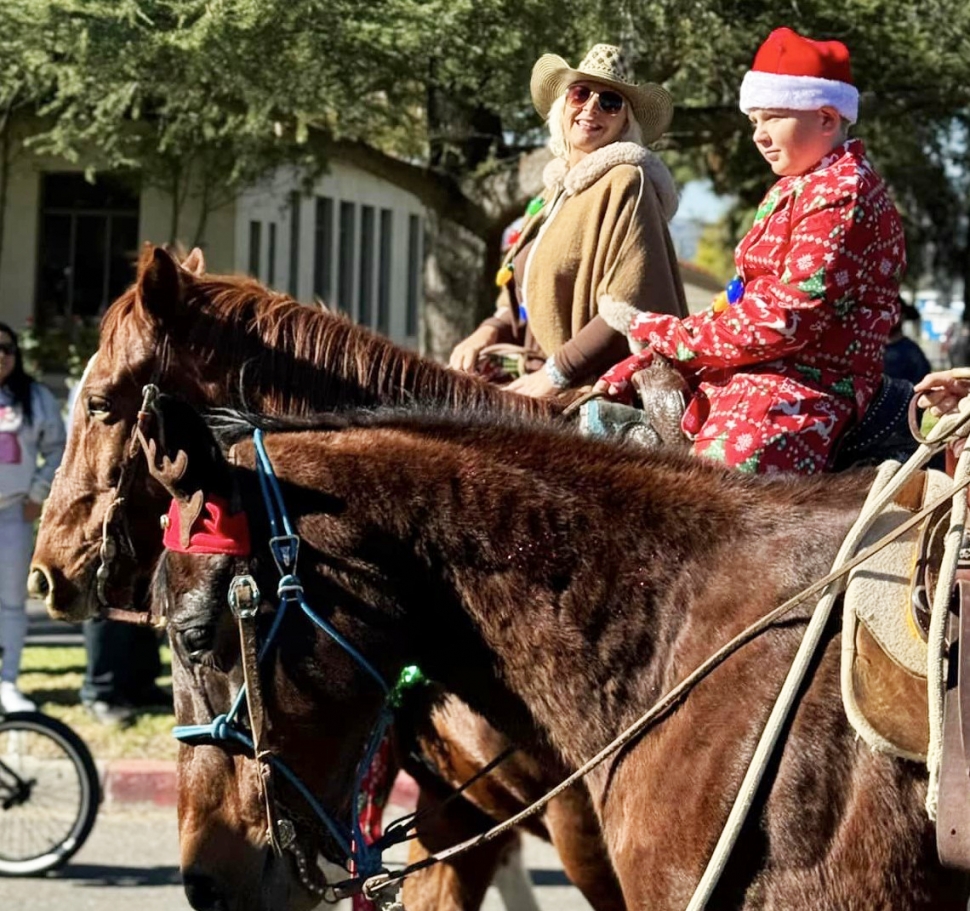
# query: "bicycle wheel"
49,793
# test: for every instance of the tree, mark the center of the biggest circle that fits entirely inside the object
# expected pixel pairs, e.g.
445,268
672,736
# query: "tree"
210,95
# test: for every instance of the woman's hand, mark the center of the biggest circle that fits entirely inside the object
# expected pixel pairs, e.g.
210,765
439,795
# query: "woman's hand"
942,390
465,355
536,385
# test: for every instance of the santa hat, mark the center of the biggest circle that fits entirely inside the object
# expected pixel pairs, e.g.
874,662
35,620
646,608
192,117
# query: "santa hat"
796,73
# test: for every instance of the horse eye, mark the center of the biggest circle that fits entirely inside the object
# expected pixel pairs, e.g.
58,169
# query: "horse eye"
197,639
98,405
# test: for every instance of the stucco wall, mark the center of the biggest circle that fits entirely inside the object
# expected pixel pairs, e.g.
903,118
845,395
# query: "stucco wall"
271,203
18,258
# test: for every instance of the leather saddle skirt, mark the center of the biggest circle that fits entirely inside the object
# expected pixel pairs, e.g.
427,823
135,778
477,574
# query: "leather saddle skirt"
883,644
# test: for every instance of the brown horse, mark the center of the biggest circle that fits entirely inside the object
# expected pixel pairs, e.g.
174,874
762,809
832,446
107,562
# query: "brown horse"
219,340
559,594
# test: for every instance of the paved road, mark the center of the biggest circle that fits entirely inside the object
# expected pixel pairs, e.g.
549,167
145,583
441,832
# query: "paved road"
131,861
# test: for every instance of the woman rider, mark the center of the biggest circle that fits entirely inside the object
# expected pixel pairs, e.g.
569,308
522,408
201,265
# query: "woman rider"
597,237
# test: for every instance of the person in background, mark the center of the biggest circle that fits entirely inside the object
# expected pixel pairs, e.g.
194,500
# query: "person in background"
792,354
597,237
31,447
904,358
123,659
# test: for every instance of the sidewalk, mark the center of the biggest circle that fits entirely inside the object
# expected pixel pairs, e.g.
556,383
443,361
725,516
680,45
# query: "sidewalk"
145,781
42,630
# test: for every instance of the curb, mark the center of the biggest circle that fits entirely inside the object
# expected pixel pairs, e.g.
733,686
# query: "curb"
153,781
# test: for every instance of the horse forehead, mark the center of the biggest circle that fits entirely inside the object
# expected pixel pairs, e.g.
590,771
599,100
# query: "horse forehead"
195,584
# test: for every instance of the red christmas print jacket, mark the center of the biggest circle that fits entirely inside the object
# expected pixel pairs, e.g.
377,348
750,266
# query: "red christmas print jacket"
780,375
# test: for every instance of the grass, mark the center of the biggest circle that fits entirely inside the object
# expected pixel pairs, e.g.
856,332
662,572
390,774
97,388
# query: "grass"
52,676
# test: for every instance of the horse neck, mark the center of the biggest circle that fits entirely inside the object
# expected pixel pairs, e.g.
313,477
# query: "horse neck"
497,569
302,361
557,607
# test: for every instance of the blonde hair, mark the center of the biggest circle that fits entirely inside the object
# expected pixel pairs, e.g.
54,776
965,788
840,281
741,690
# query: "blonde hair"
558,144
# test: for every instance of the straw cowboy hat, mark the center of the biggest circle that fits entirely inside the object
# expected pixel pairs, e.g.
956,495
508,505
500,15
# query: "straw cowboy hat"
650,103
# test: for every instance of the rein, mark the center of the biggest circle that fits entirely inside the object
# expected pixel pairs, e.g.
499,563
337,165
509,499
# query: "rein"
244,599
110,545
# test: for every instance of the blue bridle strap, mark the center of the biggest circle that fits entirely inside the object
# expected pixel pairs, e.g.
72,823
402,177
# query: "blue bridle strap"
284,546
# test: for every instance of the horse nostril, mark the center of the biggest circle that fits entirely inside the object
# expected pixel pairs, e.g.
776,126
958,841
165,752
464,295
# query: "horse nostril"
202,892
39,584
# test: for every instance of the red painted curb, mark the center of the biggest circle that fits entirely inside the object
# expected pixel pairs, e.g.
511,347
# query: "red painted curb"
140,781
152,781
405,792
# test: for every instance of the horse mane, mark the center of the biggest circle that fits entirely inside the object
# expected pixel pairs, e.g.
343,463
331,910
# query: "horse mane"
561,448
284,356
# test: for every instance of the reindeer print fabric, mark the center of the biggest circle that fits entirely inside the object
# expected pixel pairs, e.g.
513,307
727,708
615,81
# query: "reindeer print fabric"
780,375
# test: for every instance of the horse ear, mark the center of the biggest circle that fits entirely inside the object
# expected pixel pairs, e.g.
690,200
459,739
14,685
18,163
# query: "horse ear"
158,287
194,263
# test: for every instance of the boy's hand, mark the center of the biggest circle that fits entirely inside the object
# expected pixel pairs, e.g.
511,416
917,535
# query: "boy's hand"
615,383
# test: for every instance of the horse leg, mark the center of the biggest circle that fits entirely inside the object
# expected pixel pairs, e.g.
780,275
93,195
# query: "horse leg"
459,884
576,834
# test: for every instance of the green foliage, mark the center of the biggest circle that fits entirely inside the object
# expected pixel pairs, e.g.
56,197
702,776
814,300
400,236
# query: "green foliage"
63,347
715,250
208,96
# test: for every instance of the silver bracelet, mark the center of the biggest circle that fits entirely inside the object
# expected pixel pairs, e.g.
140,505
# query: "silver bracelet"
559,379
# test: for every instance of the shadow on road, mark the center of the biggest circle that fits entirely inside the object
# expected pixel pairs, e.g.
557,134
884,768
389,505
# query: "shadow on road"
541,877
125,877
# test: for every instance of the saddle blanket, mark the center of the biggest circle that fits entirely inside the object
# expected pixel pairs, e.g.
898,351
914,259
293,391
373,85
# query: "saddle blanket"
883,669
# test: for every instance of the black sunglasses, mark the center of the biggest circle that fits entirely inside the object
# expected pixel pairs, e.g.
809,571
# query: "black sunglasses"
609,102
8,348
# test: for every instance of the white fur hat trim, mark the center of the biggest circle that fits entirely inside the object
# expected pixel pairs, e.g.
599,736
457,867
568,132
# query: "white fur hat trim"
798,93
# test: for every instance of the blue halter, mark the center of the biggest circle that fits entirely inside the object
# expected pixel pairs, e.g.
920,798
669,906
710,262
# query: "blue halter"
284,547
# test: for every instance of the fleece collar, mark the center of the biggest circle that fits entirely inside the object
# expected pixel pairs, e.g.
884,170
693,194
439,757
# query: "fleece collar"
583,175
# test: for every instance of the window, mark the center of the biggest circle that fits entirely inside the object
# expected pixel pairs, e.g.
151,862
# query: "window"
323,250
414,275
88,244
345,258
271,265
255,241
294,284
365,286
384,273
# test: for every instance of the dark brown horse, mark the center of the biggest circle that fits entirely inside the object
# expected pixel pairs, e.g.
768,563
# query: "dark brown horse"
559,594
222,340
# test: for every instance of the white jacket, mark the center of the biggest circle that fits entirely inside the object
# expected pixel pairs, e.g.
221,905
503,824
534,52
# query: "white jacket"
29,453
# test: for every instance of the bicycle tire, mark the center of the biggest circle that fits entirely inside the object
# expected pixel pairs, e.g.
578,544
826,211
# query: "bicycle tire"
57,764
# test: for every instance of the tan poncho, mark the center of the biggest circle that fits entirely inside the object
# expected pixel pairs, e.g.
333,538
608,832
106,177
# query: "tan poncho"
601,239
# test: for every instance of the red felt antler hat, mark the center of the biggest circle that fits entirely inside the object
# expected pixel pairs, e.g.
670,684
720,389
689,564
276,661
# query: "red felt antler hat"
217,530
791,72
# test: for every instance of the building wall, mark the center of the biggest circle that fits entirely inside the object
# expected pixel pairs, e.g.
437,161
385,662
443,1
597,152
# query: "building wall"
19,256
280,205
218,239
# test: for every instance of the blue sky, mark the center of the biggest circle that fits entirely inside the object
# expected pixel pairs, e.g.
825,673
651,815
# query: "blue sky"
698,202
